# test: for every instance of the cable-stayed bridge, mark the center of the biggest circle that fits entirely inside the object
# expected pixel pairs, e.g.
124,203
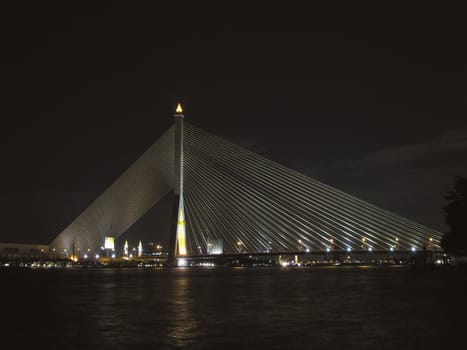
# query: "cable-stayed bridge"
237,201
245,198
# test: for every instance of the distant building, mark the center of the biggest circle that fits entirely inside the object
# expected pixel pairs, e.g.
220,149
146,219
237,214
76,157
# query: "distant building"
17,250
215,246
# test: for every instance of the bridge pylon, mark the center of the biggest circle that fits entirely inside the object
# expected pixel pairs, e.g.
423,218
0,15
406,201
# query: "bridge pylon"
177,238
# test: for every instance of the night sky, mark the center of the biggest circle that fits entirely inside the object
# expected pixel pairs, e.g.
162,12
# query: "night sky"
370,100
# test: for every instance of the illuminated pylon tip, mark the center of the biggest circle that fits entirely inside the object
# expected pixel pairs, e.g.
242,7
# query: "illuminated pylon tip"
179,108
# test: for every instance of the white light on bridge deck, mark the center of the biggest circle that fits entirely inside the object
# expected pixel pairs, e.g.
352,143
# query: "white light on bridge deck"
413,249
349,249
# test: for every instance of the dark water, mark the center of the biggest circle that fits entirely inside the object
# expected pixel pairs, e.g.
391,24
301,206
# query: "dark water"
227,308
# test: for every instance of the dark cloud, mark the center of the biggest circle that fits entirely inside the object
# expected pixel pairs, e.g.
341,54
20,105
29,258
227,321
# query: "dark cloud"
448,141
410,179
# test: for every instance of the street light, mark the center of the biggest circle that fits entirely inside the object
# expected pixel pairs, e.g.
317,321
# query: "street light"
239,245
159,248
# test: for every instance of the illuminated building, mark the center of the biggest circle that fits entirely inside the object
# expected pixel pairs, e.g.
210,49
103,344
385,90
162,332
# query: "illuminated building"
215,246
109,242
140,248
125,248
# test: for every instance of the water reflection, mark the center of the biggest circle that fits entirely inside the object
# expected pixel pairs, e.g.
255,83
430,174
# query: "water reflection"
107,317
233,308
183,326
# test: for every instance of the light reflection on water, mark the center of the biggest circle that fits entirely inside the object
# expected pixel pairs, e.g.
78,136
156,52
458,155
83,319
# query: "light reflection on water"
182,327
270,308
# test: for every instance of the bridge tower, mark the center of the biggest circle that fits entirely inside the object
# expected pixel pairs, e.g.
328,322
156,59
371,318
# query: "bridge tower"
177,240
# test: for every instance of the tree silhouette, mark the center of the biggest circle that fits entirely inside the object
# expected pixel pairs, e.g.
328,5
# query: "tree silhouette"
455,241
